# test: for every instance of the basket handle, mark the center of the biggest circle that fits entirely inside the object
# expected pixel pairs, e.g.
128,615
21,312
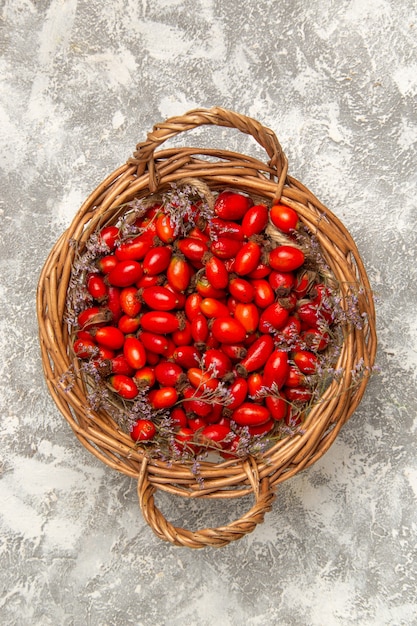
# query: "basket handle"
144,154
207,537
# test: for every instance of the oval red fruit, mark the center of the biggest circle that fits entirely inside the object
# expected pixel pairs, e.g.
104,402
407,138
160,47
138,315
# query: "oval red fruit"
157,260
145,377
261,429
128,325
182,336
159,298
179,273
167,373
250,414
96,287
85,348
238,391
258,353
134,352
247,315
217,363
228,330
216,273
212,308
143,430
247,258
124,386
93,316
110,337
315,339
113,303
225,228
286,258
192,305
281,282
278,407
129,301
165,229
153,342
134,249
314,315
199,328
178,417
192,249
298,394
225,247
125,273
214,433
119,365
163,398
160,322
284,218
242,290
230,205
255,385
255,220
306,361
276,369
107,263
187,356
264,295
109,235
273,317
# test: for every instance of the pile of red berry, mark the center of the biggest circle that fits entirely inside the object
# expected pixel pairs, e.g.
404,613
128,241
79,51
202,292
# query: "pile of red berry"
222,327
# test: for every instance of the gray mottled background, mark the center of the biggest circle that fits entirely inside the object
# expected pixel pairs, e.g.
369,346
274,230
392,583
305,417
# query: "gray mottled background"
81,83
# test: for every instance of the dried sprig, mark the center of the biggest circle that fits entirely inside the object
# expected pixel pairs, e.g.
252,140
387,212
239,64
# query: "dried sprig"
187,204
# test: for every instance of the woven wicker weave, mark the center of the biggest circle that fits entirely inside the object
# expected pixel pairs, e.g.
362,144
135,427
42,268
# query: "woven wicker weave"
150,170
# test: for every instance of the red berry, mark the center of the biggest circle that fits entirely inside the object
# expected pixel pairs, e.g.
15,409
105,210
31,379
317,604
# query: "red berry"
143,430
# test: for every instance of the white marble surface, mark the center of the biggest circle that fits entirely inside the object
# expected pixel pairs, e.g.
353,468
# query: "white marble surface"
81,82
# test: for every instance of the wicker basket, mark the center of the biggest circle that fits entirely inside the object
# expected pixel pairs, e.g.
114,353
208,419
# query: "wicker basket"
151,170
